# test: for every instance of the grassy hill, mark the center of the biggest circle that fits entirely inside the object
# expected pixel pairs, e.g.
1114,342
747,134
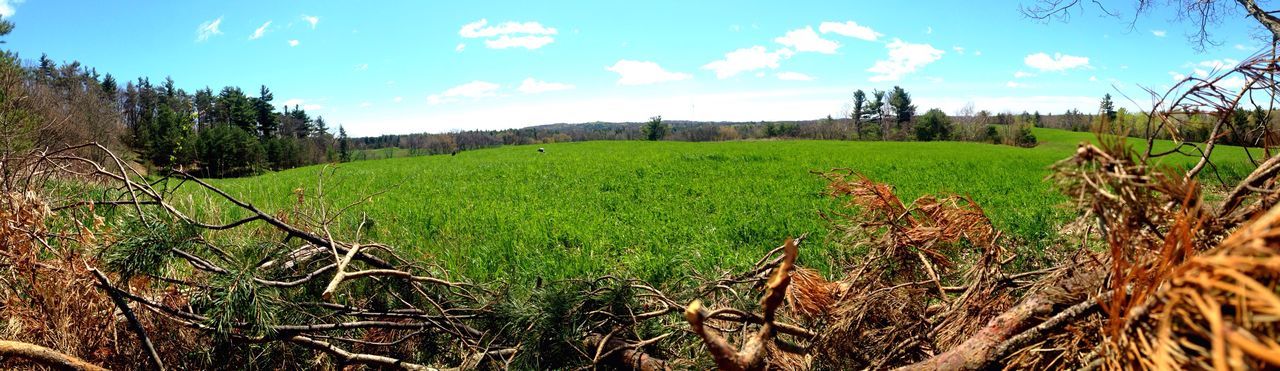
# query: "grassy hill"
657,210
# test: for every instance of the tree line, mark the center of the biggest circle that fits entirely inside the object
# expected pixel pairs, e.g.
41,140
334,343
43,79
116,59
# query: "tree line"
215,134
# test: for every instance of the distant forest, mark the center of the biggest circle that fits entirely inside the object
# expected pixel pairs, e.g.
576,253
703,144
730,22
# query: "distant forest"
230,132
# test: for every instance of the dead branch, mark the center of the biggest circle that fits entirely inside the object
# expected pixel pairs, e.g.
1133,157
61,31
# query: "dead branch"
44,356
625,355
751,356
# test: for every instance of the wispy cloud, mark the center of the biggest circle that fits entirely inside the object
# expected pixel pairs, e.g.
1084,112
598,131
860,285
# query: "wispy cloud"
257,34
528,35
643,73
534,86
293,43
904,58
794,76
1159,33
747,59
1015,84
362,67
1058,62
1022,74
474,90
208,29
313,20
850,29
460,47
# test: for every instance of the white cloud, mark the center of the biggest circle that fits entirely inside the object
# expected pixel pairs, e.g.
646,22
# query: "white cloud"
291,102
1159,33
806,40
644,73
208,29
9,7
977,53
533,86
1058,62
460,47
293,43
366,104
473,90
1177,77
928,30
257,34
1093,78
904,58
1202,69
527,42
1234,82
478,29
1243,47
850,29
1015,84
311,19
397,99
958,49
794,76
1219,64
747,59
362,67
528,35
1021,74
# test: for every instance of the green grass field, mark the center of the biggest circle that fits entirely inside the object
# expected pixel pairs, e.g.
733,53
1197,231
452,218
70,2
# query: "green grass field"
659,211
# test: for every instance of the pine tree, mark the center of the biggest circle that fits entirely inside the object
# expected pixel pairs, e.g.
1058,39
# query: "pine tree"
1107,109
110,89
859,103
900,100
268,121
344,150
655,129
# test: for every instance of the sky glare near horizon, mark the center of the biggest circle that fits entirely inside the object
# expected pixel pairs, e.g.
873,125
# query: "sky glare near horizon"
407,67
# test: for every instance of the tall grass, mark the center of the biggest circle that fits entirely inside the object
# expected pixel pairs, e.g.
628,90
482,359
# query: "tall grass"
658,210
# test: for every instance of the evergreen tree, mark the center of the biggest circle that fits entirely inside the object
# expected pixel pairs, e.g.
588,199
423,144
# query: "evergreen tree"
876,111
268,121
236,109
859,103
1107,109
900,100
655,129
110,89
344,150
45,68
204,105
320,128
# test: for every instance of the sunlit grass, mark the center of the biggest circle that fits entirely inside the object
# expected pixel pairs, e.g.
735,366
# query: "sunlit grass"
661,210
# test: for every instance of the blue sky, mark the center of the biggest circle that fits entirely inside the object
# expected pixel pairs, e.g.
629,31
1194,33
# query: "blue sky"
403,67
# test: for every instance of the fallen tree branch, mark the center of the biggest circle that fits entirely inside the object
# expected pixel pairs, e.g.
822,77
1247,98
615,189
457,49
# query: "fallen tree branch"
44,356
751,356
